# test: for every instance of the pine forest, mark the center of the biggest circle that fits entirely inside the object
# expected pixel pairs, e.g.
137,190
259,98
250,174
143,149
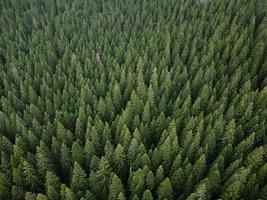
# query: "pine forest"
133,99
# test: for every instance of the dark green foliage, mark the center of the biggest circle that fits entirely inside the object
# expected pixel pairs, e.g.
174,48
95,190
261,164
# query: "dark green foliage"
4,187
103,99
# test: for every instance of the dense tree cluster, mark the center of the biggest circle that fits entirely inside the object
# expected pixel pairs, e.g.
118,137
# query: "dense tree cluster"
133,99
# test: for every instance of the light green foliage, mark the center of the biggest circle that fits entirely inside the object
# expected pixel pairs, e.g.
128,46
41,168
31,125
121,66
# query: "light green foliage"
78,179
116,189
165,190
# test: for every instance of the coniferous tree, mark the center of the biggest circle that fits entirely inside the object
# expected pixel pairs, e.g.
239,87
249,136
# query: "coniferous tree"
77,153
102,178
65,159
78,180
4,187
147,195
119,159
165,190
30,175
116,189
137,182
52,184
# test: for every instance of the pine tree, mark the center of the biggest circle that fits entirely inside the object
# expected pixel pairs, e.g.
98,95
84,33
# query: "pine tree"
65,159
116,188
150,180
178,180
200,167
147,195
159,175
165,190
201,193
78,180
64,135
30,175
117,97
235,185
146,114
77,153
52,184
4,187
102,178
256,157
119,158
44,159
137,182
89,151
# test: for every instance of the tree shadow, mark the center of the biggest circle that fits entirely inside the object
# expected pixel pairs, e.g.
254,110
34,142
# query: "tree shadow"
2,60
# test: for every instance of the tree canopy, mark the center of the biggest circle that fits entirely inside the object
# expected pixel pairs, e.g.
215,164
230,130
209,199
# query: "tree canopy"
133,99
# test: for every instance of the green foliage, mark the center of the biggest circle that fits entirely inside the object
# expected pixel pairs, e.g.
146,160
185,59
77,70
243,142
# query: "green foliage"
30,175
119,158
147,195
165,190
116,189
107,99
4,187
77,153
52,184
137,182
102,178
78,180
41,197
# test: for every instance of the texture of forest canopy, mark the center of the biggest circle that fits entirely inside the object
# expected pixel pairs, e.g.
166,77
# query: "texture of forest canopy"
133,99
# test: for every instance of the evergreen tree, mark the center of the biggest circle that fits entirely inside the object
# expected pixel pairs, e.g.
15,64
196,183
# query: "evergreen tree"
116,189
117,97
102,178
65,159
165,190
150,180
44,159
137,182
30,175
78,180
52,184
159,175
119,158
77,153
4,187
147,195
